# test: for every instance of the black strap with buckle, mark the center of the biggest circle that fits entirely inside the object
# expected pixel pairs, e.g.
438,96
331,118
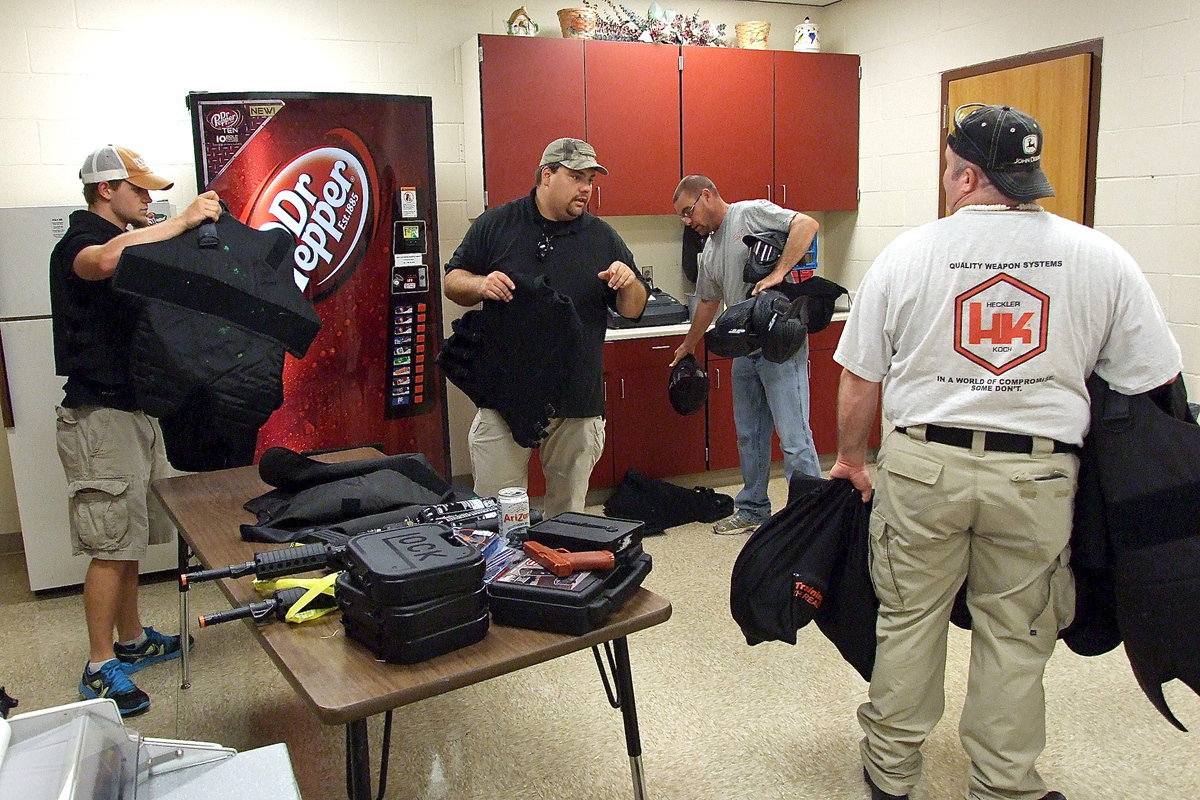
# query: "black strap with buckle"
996,442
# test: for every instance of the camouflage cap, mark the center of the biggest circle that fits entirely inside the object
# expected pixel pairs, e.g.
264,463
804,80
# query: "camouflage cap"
572,154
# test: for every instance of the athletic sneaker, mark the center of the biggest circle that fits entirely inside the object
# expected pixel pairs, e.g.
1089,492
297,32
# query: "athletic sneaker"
157,647
111,681
735,524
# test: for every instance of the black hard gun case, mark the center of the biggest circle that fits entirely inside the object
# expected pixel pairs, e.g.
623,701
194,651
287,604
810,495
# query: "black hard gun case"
576,532
409,622
378,639
406,565
527,596
661,309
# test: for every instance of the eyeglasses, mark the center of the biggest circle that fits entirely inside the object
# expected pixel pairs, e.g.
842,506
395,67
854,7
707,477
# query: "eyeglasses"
686,214
544,247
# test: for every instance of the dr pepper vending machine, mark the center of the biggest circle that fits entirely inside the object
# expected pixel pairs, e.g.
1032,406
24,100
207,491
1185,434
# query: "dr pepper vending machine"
350,177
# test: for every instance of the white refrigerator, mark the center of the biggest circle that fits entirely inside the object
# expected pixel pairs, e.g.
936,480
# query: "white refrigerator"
27,235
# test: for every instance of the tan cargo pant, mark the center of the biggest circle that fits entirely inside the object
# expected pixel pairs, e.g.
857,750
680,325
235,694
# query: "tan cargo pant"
568,454
1002,522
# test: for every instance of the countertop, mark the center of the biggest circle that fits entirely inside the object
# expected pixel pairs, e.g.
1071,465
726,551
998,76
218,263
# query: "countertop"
679,329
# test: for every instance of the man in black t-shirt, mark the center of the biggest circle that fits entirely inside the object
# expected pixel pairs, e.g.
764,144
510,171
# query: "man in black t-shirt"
549,234
110,449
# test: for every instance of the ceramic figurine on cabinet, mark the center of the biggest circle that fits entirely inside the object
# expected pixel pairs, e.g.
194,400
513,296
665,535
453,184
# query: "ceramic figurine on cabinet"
520,23
808,37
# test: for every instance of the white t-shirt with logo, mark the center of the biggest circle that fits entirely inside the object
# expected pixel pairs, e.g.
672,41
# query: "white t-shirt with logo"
992,319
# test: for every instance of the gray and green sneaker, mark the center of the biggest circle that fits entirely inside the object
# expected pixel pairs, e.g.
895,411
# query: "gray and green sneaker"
112,682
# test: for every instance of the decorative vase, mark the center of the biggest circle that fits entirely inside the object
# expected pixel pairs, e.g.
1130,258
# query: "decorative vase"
808,37
577,23
753,35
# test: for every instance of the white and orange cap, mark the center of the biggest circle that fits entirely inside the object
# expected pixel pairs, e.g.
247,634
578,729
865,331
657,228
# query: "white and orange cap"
111,163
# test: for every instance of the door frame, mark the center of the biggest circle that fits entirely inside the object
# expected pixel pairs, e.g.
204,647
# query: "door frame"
1095,48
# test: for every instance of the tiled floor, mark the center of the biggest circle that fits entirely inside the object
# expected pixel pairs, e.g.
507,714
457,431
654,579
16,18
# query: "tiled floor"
719,719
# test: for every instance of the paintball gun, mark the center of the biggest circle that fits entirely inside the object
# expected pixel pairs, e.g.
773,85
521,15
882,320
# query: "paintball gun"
563,562
273,564
277,605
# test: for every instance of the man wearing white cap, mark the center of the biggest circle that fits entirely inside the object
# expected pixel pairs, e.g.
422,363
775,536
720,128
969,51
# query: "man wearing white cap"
110,449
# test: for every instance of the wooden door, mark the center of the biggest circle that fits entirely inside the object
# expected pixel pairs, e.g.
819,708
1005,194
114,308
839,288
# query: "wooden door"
816,131
632,100
1058,93
532,93
728,98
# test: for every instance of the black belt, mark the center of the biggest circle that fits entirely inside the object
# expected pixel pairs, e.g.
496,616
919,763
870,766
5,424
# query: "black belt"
997,442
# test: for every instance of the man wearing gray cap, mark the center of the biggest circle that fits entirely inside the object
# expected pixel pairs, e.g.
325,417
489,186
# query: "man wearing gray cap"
986,324
548,235
109,448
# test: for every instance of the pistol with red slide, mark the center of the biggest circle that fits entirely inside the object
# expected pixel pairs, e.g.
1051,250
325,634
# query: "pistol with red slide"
563,562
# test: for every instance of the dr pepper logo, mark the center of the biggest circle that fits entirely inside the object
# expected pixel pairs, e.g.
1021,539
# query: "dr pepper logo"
224,118
322,199
1001,323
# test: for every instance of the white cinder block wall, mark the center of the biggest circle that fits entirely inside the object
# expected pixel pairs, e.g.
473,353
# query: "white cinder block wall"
1148,160
78,73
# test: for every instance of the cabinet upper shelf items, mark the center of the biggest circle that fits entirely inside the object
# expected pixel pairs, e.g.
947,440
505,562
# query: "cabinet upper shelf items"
772,124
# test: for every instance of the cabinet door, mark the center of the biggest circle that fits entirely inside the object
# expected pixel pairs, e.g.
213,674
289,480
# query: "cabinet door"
646,431
824,374
722,434
531,91
632,100
728,102
816,131
602,473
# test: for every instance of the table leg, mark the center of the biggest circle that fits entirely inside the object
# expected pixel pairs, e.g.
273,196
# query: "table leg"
633,739
358,761
185,677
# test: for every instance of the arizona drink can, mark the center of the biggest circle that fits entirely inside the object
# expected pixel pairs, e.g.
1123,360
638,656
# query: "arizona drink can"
514,511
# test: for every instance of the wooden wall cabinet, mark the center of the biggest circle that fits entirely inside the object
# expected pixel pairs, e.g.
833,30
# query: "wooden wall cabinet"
622,97
773,124
762,123
642,429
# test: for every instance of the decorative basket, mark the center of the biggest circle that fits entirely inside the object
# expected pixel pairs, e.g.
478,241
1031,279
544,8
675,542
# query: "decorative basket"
753,35
577,23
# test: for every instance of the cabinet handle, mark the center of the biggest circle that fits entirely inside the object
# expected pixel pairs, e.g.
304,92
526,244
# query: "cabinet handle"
784,203
660,347
768,192
718,371
597,198
622,388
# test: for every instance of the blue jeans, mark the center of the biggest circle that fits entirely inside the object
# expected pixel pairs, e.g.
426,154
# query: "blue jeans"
767,395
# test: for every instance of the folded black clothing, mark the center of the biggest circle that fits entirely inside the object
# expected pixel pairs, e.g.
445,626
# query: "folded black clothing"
286,469
340,500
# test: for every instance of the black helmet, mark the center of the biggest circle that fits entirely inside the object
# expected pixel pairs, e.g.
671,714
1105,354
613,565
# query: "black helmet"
730,335
688,388
779,325
765,250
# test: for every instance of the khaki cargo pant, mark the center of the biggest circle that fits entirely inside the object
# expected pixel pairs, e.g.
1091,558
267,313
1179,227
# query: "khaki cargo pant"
110,458
1001,521
568,454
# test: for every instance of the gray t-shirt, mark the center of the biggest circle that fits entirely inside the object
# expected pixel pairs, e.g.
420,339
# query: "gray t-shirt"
723,258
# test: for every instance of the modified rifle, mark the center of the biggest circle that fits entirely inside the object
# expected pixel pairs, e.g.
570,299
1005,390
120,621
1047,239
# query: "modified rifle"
276,605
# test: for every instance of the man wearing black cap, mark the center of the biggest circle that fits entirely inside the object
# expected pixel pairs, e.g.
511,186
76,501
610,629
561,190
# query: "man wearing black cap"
110,449
986,325
549,234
